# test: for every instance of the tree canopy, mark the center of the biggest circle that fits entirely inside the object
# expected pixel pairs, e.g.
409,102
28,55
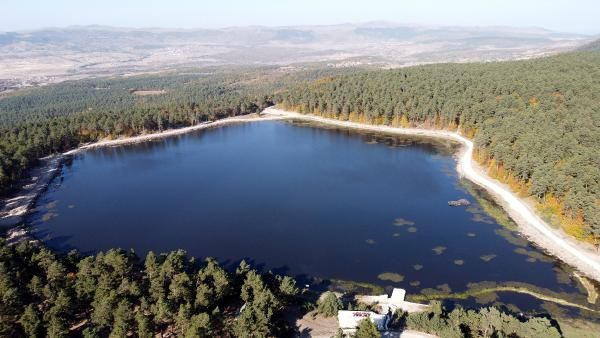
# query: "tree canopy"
116,294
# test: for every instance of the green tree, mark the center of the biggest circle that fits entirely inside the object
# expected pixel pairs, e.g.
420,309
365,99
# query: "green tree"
103,309
367,329
182,321
255,319
143,323
329,304
123,320
199,326
180,288
57,326
31,321
287,286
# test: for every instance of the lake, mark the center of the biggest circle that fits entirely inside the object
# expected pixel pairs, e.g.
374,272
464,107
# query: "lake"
301,199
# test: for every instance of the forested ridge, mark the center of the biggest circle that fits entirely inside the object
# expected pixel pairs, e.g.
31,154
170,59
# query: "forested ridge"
535,123
41,121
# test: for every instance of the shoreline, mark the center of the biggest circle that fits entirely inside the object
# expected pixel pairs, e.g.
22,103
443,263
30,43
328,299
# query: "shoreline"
530,224
15,207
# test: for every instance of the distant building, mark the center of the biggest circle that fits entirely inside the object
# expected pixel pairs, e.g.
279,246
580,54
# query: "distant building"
387,305
394,302
348,320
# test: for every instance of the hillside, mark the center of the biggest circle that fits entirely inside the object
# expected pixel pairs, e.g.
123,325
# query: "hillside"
535,123
57,54
592,46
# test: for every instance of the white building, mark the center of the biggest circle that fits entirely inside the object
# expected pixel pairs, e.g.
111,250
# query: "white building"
387,305
394,302
348,320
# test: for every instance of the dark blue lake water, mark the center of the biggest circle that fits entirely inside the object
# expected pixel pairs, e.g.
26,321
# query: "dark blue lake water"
318,202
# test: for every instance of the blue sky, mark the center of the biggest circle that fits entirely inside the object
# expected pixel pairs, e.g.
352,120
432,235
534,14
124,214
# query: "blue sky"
578,16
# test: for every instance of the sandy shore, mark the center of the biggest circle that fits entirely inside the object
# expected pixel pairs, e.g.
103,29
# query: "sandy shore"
530,224
173,132
14,208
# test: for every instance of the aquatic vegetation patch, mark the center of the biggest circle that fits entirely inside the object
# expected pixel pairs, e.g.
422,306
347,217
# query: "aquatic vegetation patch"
346,286
534,256
481,219
512,238
411,229
444,288
402,222
562,276
417,267
487,258
415,283
488,205
51,205
486,298
48,216
396,234
459,261
439,250
370,241
391,276
471,234
71,206
474,209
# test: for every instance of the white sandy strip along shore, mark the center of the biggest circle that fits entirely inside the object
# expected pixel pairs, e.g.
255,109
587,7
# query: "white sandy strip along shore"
171,132
530,224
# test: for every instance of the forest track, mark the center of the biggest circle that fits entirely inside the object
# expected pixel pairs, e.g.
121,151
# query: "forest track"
530,224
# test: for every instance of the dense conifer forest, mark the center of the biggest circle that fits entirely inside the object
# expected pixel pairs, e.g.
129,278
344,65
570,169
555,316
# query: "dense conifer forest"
535,123
116,294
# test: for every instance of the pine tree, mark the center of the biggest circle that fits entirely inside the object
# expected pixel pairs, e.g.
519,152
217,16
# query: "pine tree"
367,329
123,320
31,321
143,323
329,304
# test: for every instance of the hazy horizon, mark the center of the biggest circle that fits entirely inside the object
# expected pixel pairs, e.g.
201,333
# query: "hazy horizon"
357,23
560,16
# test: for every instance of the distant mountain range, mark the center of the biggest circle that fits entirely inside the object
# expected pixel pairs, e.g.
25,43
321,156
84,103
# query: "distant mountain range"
57,54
